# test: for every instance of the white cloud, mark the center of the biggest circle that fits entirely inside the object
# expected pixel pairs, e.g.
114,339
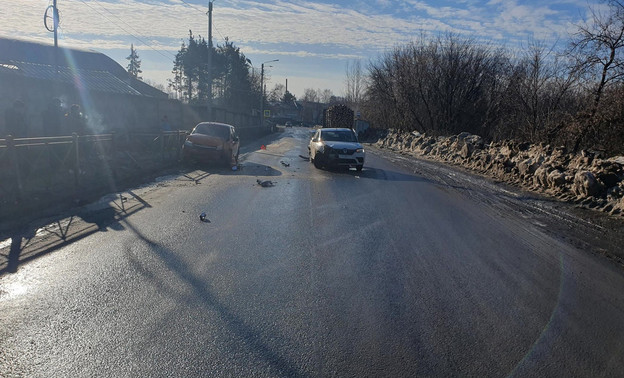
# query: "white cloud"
280,22
302,28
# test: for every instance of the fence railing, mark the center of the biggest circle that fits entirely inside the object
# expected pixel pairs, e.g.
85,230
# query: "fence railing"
35,167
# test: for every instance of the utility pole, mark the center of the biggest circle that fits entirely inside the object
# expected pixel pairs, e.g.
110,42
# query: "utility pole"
209,107
55,23
263,90
262,95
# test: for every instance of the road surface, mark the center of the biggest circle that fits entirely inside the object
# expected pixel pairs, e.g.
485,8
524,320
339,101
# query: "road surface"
405,269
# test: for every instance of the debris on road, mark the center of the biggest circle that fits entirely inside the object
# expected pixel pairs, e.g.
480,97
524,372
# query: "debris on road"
265,184
285,164
304,157
202,217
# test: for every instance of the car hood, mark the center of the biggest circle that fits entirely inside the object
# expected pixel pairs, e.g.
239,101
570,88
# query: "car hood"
341,145
205,140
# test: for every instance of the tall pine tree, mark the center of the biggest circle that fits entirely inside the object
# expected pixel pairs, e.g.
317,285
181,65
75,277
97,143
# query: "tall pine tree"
234,86
134,67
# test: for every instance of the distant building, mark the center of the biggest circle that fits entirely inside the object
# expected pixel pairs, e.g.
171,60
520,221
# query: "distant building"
312,113
36,73
282,112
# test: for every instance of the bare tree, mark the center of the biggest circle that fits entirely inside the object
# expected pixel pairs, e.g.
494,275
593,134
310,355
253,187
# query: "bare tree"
310,95
539,88
354,84
598,51
443,86
324,95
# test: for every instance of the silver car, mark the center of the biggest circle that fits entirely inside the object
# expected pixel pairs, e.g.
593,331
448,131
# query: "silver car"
336,148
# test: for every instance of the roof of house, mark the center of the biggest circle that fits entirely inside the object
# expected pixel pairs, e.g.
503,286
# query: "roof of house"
87,69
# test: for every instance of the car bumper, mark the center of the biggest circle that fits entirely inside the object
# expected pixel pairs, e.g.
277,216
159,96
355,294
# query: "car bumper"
338,160
203,153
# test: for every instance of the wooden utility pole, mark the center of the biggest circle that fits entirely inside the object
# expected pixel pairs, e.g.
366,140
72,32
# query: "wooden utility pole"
209,105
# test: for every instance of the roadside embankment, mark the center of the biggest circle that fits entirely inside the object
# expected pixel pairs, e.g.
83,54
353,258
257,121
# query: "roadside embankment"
584,179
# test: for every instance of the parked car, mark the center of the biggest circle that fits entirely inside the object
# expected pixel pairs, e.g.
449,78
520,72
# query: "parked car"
288,124
336,147
212,141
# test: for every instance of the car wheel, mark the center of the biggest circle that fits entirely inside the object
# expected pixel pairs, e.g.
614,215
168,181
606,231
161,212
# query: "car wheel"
317,163
359,168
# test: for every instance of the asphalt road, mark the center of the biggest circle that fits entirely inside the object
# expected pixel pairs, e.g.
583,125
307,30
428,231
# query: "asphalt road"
404,269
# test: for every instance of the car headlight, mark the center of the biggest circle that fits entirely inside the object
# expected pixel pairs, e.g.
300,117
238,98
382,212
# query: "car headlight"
360,150
188,143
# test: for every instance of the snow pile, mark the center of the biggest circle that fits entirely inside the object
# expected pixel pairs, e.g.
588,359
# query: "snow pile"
583,178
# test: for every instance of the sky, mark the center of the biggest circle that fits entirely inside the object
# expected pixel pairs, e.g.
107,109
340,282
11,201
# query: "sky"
313,40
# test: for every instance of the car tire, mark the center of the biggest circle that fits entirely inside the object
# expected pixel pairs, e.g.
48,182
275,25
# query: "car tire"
317,163
359,168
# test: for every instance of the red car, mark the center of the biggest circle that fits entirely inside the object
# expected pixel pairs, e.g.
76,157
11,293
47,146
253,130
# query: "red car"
212,142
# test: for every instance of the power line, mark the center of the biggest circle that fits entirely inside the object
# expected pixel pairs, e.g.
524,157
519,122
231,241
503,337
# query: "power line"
192,6
131,27
204,13
129,33
222,37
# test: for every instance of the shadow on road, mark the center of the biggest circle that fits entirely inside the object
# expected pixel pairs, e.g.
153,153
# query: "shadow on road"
39,239
238,326
380,174
21,244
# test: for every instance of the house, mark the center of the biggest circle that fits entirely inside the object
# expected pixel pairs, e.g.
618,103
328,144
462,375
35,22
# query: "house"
34,74
282,112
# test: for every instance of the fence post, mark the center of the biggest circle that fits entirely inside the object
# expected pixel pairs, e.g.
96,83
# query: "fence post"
178,146
15,163
113,155
76,160
162,145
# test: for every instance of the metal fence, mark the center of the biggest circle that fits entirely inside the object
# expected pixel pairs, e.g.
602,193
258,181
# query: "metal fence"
32,168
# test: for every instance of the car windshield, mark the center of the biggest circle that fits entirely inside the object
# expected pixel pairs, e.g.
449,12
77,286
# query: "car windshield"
212,130
338,136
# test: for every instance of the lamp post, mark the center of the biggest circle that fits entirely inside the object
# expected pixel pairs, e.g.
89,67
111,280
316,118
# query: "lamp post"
262,90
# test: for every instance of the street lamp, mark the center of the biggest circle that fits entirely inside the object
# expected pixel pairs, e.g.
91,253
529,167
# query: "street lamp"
262,90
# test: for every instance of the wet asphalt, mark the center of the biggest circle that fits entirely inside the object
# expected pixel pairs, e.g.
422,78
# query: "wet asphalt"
393,271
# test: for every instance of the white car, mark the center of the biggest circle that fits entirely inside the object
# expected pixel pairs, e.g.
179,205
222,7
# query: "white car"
336,148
